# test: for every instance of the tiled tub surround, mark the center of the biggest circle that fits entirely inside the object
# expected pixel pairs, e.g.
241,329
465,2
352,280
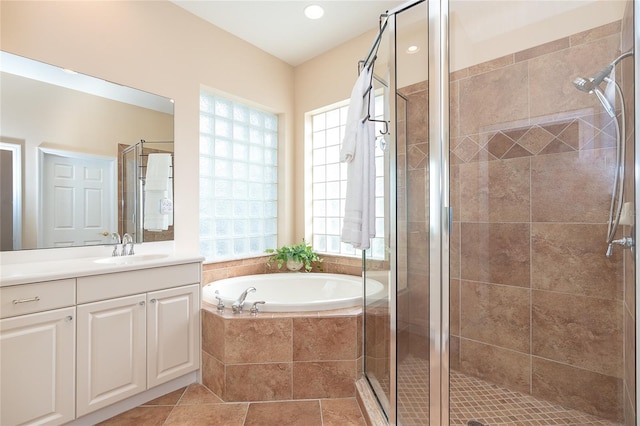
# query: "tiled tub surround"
531,182
281,356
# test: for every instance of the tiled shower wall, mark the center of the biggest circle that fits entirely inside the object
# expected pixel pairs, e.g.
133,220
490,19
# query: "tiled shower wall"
535,304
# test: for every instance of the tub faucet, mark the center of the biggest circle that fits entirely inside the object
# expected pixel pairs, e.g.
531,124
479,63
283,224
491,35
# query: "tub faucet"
237,306
127,239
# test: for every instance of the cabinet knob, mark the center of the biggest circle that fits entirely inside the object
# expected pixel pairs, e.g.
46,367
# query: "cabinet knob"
69,318
153,300
142,303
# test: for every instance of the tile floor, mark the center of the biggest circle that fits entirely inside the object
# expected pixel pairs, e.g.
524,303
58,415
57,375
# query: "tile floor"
475,399
196,405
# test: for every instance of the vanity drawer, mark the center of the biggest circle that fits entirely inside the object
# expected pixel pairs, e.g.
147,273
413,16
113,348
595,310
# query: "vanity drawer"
119,284
28,298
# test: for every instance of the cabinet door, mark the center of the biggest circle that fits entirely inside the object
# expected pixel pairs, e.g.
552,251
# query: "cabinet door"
37,360
111,352
173,326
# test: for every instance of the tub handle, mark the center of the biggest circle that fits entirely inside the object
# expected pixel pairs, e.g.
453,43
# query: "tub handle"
254,307
220,305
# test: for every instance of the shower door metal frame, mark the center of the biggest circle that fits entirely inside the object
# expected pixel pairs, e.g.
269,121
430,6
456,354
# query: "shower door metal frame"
439,211
636,77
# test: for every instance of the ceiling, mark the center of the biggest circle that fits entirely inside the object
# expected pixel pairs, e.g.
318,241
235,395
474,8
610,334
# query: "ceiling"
281,29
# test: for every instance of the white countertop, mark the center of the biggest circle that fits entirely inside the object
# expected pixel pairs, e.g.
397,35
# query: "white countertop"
55,264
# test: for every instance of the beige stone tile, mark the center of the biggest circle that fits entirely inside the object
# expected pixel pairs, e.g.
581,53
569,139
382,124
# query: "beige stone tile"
258,382
212,374
341,412
491,65
496,253
208,415
213,341
454,306
570,258
630,353
579,389
454,352
197,394
324,379
507,88
479,360
316,339
151,416
289,413
495,191
543,49
495,314
553,92
590,35
555,179
417,118
580,331
257,340
171,398
454,250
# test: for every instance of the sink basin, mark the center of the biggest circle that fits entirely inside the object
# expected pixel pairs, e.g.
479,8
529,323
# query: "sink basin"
136,258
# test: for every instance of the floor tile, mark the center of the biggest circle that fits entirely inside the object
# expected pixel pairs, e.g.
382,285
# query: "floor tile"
287,413
147,416
207,415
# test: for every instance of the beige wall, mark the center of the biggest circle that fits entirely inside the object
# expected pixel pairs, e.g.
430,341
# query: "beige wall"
158,47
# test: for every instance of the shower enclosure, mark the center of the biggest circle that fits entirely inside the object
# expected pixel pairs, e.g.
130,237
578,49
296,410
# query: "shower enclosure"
132,164
511,198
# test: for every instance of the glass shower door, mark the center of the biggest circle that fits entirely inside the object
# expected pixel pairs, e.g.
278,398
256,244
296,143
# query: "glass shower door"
541,312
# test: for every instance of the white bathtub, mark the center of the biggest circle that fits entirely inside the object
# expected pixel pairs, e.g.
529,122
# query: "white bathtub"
293,292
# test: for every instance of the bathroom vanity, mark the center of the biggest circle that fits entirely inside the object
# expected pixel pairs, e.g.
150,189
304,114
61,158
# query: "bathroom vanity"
77,336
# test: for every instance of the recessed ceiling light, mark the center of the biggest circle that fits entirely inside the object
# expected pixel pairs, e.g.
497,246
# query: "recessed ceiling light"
313,11
412,49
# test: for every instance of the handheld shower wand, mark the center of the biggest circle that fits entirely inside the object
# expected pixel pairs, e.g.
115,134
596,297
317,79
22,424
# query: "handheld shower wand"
592,85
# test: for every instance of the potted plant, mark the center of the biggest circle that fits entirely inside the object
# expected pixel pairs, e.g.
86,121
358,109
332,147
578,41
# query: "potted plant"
295,257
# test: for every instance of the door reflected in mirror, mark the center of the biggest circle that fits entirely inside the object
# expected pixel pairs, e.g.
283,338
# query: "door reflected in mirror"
63,173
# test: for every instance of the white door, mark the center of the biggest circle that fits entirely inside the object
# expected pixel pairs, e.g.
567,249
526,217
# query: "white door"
173,325
111,352
37,368
78,200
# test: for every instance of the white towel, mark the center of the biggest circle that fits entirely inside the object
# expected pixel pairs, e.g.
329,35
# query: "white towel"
158,193
358,151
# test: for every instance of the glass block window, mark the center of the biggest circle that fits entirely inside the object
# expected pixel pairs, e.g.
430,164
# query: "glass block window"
238,179
329,184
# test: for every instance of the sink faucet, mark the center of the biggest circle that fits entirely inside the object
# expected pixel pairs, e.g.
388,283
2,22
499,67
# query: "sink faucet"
115,240
236,307
127,239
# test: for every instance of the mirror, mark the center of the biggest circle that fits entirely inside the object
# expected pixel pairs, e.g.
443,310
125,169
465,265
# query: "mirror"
66,147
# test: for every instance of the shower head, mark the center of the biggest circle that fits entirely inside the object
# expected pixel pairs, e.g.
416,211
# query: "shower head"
592,86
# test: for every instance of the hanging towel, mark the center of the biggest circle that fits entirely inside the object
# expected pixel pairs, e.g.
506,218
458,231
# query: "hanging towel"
158,194
359,152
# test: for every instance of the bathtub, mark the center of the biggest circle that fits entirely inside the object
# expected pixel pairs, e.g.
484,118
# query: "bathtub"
293,292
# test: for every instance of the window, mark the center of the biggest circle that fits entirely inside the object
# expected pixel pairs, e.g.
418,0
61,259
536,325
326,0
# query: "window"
238,179
329,183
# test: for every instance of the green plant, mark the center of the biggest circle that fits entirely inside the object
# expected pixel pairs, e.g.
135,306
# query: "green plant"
299,253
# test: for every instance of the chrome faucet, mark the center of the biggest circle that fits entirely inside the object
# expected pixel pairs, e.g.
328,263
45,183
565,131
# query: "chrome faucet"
115,240
237,306
127,239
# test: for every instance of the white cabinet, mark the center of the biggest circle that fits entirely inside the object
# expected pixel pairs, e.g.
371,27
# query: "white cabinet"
74,346
172,333
37,366
111,352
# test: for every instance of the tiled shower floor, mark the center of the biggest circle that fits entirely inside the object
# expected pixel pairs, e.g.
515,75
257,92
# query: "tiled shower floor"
474,399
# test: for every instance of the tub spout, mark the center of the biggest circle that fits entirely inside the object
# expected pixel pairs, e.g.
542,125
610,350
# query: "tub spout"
237,306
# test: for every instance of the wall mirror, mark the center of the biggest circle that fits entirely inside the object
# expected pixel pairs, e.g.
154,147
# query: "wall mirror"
74,153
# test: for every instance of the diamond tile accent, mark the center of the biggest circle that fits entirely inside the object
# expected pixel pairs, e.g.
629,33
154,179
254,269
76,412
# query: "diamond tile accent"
535,139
